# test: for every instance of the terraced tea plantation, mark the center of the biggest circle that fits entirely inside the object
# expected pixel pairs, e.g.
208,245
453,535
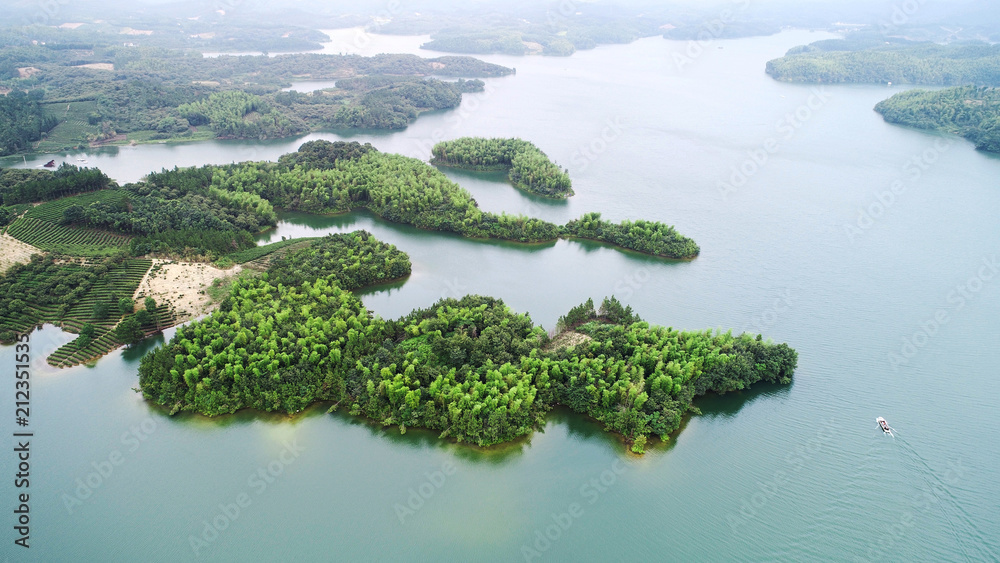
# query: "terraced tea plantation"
40,227
46,286
73,125
104,341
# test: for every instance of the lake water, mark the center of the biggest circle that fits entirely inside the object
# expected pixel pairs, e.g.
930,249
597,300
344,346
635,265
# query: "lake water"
789,473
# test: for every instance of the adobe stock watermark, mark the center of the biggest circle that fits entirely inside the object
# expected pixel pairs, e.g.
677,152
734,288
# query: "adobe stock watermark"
362,36
901,15
424,492
588,152
590,492
258,481
884,200
626,287
767,491
766,320
711,31
86,486
454,288
895,530
957,299
47,11
226,6
785,129
455,119
561,16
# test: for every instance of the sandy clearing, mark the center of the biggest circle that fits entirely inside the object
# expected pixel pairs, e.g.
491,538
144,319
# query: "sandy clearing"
98,66
13,251
130,31
179,284
27,71
566,340
70,25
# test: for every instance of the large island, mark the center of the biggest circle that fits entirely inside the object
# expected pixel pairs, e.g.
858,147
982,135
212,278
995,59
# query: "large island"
471,368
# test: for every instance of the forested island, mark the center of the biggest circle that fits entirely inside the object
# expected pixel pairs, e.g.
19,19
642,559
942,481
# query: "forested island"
471,368
76,89
870,58
527,166
647,237
969,111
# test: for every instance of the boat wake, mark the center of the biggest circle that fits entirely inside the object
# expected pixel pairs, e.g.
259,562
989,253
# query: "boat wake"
939,492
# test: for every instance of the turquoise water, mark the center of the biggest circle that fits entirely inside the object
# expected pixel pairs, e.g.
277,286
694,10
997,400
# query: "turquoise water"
778,474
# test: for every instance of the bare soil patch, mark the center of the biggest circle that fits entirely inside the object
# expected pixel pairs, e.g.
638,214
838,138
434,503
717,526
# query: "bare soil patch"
183,285
13,251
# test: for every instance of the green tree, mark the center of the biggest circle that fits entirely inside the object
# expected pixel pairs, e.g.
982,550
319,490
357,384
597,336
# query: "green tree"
129,330
126,305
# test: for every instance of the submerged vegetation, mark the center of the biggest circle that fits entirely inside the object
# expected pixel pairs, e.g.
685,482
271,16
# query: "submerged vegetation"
528,167
973,113
470,368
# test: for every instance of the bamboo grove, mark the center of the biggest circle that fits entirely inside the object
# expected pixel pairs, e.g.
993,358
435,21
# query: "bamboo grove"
528,167
470,368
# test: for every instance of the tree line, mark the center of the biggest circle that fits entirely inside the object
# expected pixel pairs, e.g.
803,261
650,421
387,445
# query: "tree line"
34,186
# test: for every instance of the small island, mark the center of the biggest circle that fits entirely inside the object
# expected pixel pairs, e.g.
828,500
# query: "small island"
647,237
968,111
528,168
470,368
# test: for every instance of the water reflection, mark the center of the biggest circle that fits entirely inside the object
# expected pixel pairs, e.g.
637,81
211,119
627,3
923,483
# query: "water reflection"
713,405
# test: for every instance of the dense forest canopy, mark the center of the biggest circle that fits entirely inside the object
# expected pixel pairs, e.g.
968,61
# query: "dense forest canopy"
528,167
470,368
866,58
97,90
397,188
969,111
22,121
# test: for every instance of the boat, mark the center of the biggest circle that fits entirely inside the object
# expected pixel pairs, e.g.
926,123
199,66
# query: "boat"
884,426
50,164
